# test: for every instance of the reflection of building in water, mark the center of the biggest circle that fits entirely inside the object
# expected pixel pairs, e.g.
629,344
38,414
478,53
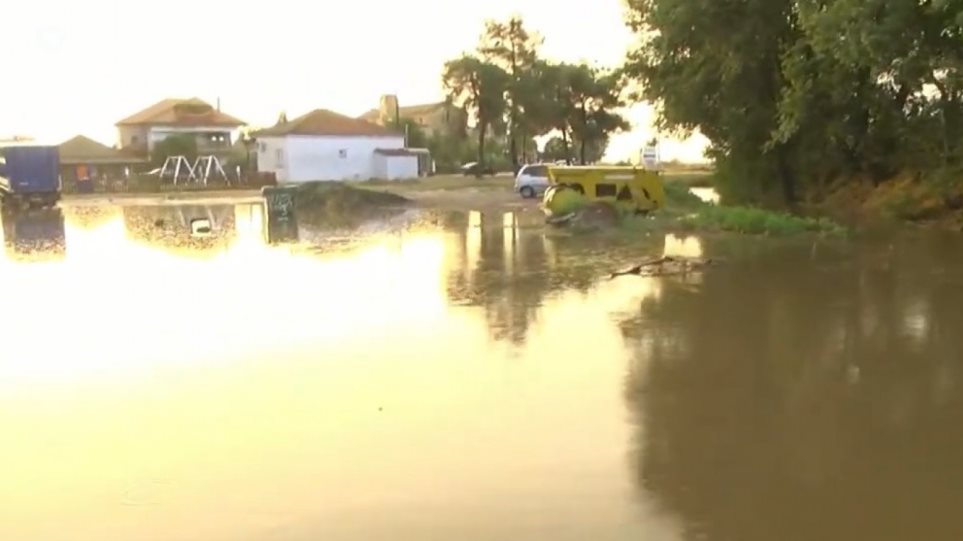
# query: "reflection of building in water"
34,235
169,227
682,246
250,223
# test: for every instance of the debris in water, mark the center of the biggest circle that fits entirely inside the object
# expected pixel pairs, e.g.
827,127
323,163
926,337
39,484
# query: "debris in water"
666,266
201,227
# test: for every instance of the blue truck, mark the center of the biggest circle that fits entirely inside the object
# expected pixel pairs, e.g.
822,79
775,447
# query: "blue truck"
31,175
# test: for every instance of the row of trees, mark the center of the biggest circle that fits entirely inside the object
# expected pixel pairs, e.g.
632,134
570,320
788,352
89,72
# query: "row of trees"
512,92
793,94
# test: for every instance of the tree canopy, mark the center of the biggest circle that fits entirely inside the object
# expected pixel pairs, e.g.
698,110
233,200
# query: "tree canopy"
796,93
510,90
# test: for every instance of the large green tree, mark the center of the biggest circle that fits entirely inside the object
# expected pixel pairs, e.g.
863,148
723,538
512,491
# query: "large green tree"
793,93
716,66
479,87
594,98
512,47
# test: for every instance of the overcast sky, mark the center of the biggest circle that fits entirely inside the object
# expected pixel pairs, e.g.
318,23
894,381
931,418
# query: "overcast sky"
78,66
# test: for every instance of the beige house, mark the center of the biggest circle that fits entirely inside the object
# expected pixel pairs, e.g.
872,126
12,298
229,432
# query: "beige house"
213,130
441,118
82,158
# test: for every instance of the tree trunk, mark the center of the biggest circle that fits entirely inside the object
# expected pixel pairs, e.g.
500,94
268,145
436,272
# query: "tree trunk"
786,175
568,153
482,131
584,139
513,142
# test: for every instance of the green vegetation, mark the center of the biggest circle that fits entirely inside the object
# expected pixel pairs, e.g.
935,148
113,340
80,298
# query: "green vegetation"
799,95
686,212
678,196
175,145
755,221
515,95
694,179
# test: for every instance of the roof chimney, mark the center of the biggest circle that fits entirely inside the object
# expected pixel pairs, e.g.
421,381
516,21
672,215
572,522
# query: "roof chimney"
218,104
282,118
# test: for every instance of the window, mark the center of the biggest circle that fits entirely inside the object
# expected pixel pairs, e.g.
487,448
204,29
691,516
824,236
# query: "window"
605,190
262,146
343,153
134,140
539,171
279,157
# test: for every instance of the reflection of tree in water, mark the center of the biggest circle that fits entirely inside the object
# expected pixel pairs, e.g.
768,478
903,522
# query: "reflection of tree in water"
799,398
506,264
169,227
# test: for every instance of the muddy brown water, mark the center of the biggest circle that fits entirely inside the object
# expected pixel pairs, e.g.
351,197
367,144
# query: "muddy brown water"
458,376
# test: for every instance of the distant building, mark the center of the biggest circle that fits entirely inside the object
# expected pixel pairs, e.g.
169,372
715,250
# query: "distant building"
327,146
82,158
212,129
16,140
441,118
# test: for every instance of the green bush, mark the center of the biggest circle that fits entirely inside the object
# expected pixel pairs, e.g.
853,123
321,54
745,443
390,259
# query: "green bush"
755,221
144,184
681,196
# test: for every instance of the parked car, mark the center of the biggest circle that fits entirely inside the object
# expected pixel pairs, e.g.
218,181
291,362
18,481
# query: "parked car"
475,169
532,180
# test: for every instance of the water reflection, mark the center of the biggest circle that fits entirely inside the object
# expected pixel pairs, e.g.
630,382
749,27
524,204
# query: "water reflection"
466,376
802,396
271,394
35,235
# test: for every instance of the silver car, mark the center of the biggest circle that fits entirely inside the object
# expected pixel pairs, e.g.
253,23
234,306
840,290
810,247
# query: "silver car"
532,181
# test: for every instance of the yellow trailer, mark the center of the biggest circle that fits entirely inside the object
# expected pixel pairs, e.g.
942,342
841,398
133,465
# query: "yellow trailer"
629,189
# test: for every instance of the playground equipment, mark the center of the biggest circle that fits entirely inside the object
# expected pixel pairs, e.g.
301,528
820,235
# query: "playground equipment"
205,168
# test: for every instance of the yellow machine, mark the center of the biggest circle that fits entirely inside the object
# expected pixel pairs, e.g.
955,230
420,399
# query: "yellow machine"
630,189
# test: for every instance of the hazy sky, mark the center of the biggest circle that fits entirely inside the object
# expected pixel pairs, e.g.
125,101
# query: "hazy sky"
78,66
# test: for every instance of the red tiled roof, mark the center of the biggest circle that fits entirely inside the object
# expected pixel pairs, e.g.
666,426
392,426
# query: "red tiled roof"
324,122
178,112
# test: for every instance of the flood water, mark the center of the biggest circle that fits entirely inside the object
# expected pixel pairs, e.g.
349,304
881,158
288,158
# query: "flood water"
466,376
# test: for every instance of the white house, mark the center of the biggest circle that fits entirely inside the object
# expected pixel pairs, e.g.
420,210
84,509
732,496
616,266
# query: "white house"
327,146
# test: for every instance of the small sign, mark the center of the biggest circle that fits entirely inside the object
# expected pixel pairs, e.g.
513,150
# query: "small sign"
650,157
282,223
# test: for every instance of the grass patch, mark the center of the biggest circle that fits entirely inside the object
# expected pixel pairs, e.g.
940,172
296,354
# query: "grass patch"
689,179
438,183
754,221
680,196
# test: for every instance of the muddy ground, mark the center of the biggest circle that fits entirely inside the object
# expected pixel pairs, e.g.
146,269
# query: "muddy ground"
443,192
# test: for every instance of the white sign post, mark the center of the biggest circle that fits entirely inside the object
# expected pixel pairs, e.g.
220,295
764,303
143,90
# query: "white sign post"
650,156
